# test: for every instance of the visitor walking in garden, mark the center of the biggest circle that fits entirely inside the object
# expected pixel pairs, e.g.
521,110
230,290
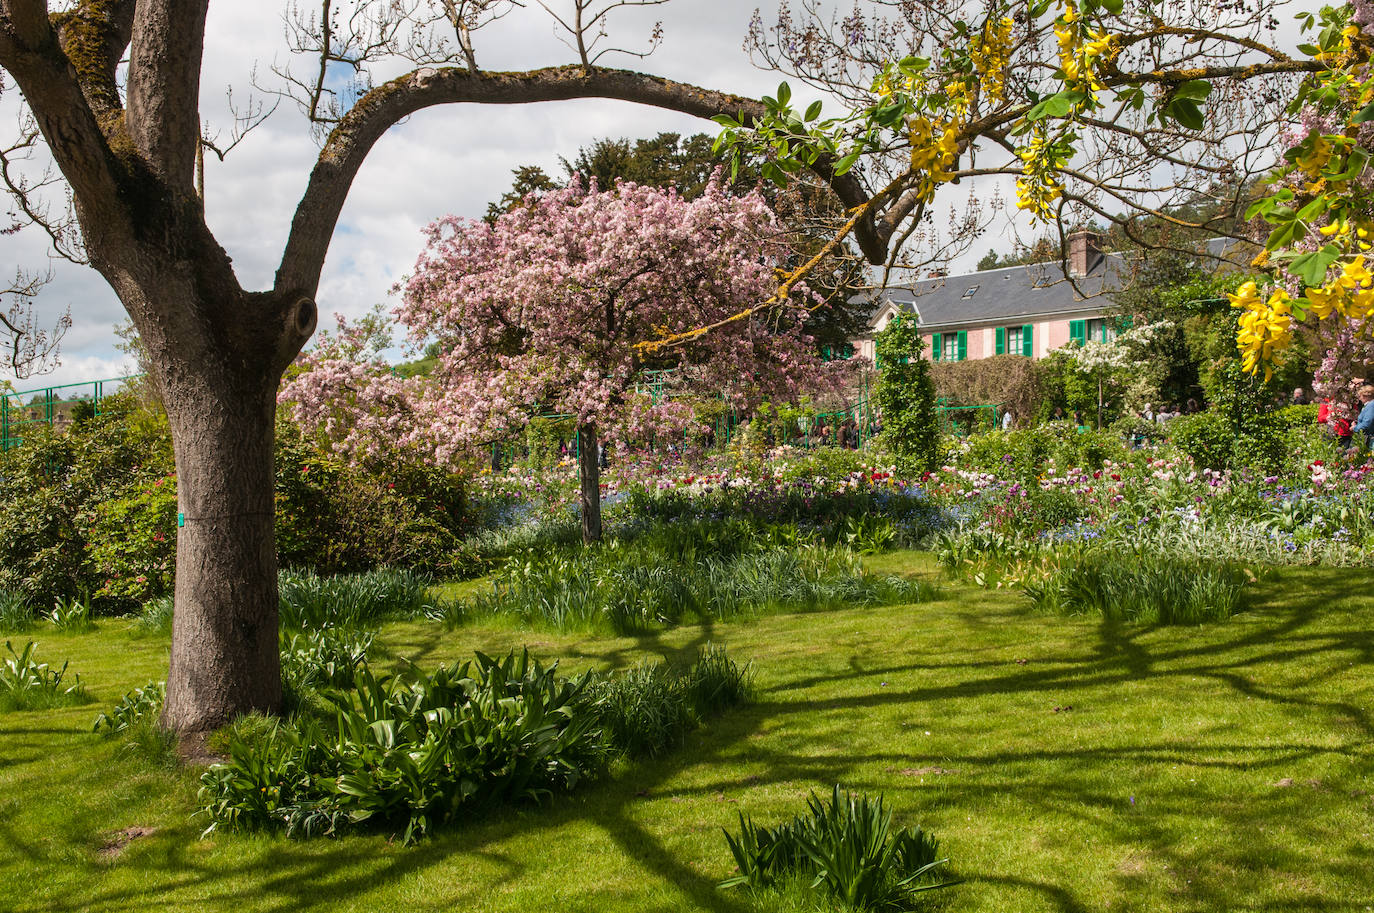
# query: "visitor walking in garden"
1364,422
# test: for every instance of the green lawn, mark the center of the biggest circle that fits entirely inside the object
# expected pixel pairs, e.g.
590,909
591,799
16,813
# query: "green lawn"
1065,764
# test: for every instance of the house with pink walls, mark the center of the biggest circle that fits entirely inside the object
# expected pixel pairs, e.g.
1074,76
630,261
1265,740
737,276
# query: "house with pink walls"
1028,310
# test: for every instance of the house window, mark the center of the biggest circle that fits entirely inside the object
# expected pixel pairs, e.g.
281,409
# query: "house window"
1014,339
949,346
972,290
1101,329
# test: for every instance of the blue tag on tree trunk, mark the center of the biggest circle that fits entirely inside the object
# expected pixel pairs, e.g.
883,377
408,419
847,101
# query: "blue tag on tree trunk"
181,520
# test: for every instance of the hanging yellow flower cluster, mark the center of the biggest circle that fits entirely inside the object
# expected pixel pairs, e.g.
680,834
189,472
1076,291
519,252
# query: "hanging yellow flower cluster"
1038,186
990,52
934,152
1082,51
1266,326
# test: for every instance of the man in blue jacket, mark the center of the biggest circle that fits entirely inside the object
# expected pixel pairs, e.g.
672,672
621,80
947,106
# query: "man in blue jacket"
1365,422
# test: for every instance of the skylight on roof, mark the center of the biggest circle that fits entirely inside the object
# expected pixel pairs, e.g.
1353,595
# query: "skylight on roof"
971,291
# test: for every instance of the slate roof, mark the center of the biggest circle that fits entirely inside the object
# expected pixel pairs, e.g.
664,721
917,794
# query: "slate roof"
1013,294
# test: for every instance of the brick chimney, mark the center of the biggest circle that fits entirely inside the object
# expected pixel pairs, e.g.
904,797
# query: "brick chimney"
1083,252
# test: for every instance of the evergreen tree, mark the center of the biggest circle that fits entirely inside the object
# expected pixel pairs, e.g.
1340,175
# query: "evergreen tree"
906,395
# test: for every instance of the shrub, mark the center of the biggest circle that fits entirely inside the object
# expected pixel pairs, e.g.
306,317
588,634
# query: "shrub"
133,542
310,601
1011,380
16,614
906,396
26,684
50,488
336,517
847,847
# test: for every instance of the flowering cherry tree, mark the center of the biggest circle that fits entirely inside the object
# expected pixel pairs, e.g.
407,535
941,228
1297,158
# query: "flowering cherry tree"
344,392
554,307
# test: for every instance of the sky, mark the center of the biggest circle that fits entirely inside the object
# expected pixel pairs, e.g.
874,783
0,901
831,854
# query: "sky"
453,159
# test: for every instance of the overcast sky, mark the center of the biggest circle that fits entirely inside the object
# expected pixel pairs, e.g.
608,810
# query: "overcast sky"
452,159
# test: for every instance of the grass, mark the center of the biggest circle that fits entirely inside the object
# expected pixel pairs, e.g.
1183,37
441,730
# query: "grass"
1064,764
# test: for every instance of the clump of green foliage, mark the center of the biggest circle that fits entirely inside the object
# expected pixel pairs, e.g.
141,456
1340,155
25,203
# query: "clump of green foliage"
16,614
410,752
142,705
846,848
650,709
637,585
26,684
312,601
1125,586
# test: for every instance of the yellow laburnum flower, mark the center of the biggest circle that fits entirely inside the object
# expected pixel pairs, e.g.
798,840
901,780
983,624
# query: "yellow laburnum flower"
990,53
1361,305
1355,275
1342,227
1246,296
1325,300
1265,327
1316,158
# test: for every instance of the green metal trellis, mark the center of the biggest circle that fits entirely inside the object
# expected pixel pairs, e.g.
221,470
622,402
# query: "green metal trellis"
52,406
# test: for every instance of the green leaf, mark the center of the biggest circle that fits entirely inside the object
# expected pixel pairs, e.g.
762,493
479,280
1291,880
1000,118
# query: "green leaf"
1364,114
772,172
1196,89
1311,267
814,111
846,163
784,94
1057,105
913,66
1354,165
1186,112
1284,235
1113,6
1314,208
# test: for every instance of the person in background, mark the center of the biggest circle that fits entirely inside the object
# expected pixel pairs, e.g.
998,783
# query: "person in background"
1191,407
1364,422
1299,397
1058,415
1147,412
1007,420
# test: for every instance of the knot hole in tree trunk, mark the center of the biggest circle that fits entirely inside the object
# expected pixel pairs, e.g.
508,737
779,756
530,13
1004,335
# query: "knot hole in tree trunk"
305,314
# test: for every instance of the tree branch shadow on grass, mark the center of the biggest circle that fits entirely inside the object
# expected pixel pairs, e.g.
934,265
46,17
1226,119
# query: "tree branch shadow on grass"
311,874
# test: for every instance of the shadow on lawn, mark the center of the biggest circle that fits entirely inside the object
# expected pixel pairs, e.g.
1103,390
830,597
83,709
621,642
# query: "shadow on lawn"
1280,627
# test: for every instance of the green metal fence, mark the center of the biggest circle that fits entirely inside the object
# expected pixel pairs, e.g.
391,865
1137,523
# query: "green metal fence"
56,406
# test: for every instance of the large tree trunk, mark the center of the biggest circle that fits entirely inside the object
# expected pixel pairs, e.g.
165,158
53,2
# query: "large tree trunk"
225,658
589,474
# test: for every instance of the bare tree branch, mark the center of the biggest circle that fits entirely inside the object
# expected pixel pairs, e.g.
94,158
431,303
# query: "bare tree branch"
25,348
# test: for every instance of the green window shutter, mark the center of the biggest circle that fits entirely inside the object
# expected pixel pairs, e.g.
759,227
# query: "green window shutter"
1125,323
1026,348
1078,331
963,344
1001,341
935,353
